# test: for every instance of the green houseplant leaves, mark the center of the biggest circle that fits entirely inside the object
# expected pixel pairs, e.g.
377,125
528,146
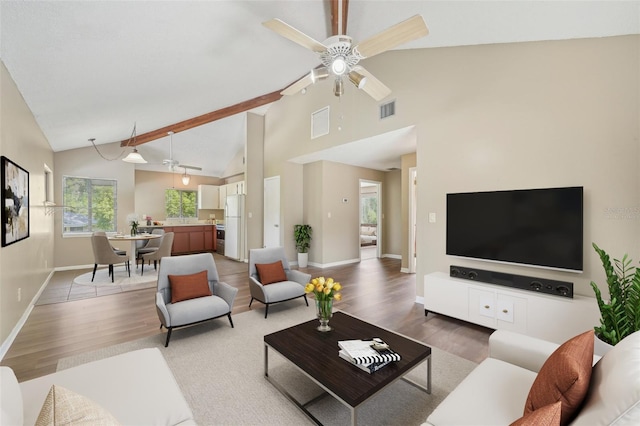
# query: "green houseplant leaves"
302,236
621,315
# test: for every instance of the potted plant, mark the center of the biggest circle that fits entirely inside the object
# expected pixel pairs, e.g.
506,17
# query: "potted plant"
302,236
620,317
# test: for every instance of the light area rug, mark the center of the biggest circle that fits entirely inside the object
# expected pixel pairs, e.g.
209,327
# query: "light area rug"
120,278
221,373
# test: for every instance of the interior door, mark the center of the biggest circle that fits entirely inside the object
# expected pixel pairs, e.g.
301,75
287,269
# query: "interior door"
271,236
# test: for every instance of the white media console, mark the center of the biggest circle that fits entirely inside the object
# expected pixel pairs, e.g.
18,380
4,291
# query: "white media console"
548,317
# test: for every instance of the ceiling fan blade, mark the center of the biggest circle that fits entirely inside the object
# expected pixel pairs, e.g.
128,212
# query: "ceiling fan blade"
372,86
184,166
297,36
403,32
305,81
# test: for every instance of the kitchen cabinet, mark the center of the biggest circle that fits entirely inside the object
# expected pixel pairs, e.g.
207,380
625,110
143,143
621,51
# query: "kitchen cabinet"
235,188
208,197
192,238
222,195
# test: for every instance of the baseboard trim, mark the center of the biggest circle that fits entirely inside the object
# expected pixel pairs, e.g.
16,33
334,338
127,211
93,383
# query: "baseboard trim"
4,348
328,265
73,267
420,300
392,256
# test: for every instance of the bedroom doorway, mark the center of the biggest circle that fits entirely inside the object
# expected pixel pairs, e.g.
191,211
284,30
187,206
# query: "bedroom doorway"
370,219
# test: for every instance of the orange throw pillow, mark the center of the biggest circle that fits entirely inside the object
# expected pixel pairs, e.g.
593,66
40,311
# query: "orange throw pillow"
549,415
184,287
270,273
564,377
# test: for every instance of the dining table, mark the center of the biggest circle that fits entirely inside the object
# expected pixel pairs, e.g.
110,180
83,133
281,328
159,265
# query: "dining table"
133,239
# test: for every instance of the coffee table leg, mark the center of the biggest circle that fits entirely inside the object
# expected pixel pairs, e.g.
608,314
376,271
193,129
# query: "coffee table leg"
266,361
354,416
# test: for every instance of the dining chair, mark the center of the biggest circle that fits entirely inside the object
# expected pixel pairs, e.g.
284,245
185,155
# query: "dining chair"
151,245
104,255
163,251
116,250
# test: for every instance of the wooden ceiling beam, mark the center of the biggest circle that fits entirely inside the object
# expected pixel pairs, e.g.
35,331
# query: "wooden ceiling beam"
203,119
335,7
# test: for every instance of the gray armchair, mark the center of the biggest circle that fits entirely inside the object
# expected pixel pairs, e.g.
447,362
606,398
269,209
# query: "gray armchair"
164,250
104,254
196,310
275,292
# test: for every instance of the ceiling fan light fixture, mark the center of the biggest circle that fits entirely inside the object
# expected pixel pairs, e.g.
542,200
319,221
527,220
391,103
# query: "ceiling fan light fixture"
338,87
357,79
339,65
134,157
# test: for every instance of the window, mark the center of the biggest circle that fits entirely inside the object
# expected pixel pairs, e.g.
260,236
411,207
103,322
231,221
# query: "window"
48,184
180,203
91,205
369,205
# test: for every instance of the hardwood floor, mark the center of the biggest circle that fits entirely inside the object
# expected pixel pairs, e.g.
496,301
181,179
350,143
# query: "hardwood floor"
374,290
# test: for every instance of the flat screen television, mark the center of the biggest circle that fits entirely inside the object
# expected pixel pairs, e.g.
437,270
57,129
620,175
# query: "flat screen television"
536,227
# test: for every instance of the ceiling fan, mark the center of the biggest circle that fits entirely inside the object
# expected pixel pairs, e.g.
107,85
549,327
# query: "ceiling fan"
340,56
175,164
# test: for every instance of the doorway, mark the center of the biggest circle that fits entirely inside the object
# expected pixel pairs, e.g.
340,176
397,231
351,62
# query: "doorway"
370,219
413,220
271,232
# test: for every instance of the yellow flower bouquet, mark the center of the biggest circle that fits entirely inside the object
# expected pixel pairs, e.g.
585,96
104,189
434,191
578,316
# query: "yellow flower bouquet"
325,290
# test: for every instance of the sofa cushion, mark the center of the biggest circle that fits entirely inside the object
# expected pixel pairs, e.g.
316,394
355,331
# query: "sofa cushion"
270,273
549,415
152,395
10,398
185,287
65,407
614,391
492,394
564,377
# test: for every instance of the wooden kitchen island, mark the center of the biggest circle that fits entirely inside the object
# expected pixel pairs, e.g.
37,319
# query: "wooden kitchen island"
189,238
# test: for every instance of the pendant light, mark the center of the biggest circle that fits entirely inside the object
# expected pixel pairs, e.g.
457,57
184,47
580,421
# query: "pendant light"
134,157
185,178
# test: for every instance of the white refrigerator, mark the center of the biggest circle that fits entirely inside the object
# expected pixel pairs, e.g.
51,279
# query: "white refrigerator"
234,227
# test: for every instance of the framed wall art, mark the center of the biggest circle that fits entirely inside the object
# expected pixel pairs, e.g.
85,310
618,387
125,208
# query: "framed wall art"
15,202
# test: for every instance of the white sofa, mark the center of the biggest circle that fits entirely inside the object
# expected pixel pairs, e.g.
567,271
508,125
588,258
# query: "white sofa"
137,388
494,393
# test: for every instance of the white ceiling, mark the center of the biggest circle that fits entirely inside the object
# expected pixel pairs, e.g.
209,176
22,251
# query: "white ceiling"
91,69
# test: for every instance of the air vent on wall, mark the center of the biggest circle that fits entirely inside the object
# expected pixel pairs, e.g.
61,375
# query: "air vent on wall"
388,109
320,123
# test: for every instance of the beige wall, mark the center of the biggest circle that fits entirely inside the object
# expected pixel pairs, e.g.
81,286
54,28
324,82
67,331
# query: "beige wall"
26,264
504,116
150,190
335,223
254,183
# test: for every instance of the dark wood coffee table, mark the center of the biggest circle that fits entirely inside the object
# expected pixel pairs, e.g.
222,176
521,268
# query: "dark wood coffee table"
303,345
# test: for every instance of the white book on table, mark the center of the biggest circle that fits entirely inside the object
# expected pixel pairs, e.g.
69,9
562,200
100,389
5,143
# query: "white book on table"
361,352
369,368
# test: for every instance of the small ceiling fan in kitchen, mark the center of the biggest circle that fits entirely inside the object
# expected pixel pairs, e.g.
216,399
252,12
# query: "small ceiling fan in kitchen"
175,165
340,55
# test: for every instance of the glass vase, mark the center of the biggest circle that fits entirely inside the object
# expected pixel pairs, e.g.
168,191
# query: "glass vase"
324,312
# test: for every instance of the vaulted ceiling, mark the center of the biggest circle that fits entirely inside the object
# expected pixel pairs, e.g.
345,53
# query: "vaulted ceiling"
91,69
